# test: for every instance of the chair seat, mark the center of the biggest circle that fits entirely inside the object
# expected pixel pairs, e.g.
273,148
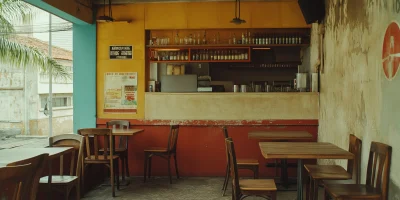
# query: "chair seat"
247,162
327,172
352,191
58,179
257,185
117,150
334,182
156,149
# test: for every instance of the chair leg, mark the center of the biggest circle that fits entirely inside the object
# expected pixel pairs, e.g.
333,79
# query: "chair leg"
122,170
176,166
315,190
308,188
112,178
273,195
117,174
78,191
255,170
169,170
228,175
66,193
126,164
83,180
150,159
145,167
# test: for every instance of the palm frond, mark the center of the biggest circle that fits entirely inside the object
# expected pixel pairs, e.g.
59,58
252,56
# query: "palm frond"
16,10
21,56
6,28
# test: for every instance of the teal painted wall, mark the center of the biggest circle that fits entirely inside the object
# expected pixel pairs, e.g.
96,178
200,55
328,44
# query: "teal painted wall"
55,11
84,62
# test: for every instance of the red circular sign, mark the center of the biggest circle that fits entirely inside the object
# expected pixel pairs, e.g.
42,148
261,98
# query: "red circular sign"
391,51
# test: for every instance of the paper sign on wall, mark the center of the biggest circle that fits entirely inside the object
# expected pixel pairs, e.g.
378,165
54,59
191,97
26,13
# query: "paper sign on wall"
120,92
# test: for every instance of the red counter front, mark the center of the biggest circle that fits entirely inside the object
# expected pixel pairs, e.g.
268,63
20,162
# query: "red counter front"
201,150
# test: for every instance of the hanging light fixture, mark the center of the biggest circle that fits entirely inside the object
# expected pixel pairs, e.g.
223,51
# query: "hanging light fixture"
237,19
106,18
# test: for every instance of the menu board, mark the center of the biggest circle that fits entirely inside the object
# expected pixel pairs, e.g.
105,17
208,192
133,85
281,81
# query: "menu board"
120,92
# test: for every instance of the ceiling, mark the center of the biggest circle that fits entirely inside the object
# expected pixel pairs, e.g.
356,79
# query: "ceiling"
161,1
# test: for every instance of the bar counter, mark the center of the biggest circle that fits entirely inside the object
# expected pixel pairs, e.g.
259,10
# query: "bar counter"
231,106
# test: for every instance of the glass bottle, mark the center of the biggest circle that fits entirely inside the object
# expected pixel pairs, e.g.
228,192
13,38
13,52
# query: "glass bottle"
186,40
177,39
264,39
226,55
215,39
194,55
186,56
215,55
234,39
299,39
190,39
194,39
246,55
211,55
198,38
204,38
243,40
197,55
218,38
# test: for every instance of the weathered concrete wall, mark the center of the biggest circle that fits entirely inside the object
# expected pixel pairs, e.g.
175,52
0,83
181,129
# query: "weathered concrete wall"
356,97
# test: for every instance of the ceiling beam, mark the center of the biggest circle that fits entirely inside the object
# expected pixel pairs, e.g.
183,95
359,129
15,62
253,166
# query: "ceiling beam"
70,10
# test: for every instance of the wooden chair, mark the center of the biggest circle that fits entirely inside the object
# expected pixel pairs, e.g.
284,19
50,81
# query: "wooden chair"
319,173
122,149
65,183
248,187
107,158
377,183
250,164
15,178
162,152
37,166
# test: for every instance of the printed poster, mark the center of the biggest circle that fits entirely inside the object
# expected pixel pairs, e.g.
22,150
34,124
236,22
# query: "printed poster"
120,92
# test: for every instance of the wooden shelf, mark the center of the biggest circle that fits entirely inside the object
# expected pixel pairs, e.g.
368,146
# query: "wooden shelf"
199,61
225,46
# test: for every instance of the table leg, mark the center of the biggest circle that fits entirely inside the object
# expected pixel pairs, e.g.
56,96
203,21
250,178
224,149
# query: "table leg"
284,173
49,179
299,179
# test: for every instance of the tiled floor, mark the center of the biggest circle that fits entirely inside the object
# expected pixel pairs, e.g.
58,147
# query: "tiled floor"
182,189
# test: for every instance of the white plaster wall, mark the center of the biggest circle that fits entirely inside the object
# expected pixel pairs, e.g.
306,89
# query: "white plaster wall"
355,97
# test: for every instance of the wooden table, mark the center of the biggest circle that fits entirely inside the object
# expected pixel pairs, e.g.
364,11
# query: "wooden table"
8,156
127,133
280,135
301,151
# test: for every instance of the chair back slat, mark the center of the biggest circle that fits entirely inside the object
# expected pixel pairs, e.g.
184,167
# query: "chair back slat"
120,124
17,178
69,140
233,167
379,167
225,131
173,139
97,133
354,166
37,166
96,147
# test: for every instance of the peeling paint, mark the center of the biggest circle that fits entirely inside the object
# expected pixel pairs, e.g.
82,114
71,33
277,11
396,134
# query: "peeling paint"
355,96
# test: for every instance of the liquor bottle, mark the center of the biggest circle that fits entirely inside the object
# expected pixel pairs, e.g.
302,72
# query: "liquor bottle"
215,39
218,55
296,39
229,55
190,39
246,55
177,39
299,39
234,39
226,55
186,56
197,55
264,39
207,55
259,38
198,38
287,39
204,38
292,39
194,55
243,38
218,38
250,39
211,55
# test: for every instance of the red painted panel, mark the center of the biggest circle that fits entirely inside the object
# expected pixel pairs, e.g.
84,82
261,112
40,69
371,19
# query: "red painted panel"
201,150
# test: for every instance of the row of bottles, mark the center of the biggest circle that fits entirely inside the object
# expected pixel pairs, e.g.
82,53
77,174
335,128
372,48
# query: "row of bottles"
245,38
170,55
220,55
265,39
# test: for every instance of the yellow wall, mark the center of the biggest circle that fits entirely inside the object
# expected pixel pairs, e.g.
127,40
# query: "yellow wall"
196,15
119,33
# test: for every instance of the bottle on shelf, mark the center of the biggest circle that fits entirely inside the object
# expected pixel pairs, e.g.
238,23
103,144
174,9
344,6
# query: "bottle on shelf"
243,40
194,55
204,38
218,38
264,39
215,39
186,56
215,55
246,55
234,38
176,38
226,55
229,55
198,38
211,55
299,39
190,39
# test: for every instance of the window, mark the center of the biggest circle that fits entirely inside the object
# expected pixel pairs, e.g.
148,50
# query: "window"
57,102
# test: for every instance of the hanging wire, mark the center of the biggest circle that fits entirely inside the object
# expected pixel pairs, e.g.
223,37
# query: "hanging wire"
38,28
